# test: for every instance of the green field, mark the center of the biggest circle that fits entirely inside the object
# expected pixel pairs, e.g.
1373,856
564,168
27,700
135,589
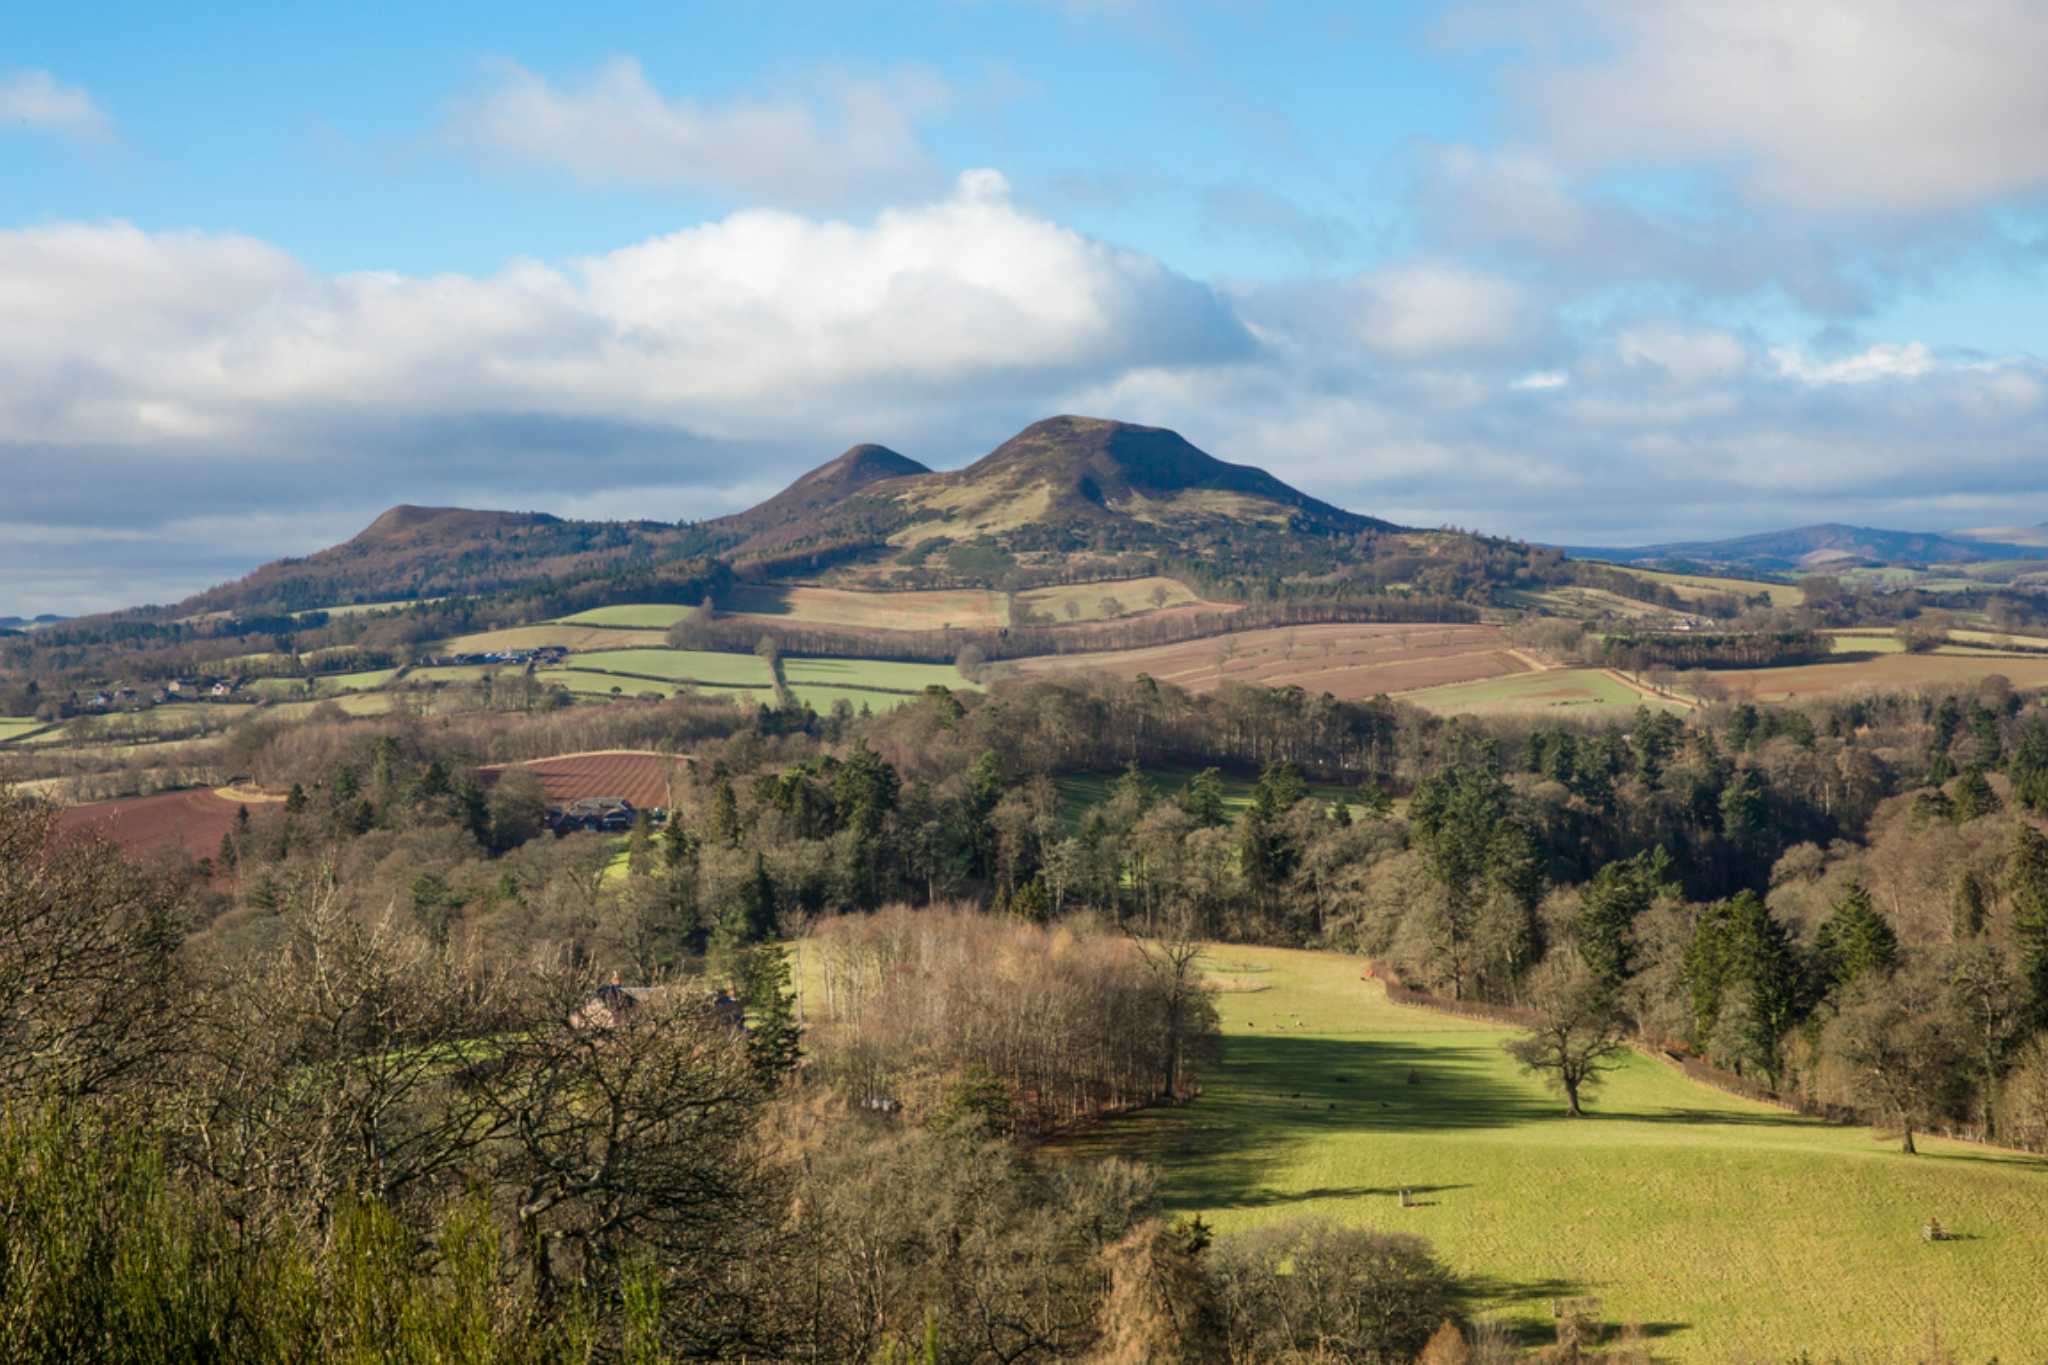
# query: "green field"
823,699
633,615
370,681
680,665
1865,642
1694,586
348,703
874,674
358,608
1572,689
276,689
1728,1230
464,673
12,727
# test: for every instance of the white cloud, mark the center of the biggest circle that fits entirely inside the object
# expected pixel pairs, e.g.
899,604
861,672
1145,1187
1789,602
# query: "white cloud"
1429,308
1537,381
1688,355
1822,104
1886,360
38,100
617,128
763,325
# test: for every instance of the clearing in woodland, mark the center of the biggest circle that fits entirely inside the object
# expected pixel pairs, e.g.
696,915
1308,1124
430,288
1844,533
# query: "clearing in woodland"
1727,1229
1351,662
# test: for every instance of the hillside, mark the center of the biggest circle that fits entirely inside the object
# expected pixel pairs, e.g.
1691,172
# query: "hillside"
1729,1229
411,552
1066,496
1819,549
1067,499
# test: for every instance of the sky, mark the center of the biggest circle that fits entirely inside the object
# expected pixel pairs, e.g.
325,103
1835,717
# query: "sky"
1586,272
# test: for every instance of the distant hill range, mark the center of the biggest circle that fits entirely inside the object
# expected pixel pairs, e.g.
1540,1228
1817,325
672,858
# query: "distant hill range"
30,622
1066,498
1820,549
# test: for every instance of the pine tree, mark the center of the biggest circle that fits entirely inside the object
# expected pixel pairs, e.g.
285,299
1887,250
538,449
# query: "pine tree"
774,1037
2026,886
725,814
1855,941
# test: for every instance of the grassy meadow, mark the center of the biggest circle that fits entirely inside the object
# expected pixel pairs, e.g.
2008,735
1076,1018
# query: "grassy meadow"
1575,689
630,616
1726,1229
13,727
679,665
874,674
1692,586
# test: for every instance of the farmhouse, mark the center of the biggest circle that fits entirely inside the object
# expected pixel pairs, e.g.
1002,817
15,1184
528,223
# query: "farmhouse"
606,814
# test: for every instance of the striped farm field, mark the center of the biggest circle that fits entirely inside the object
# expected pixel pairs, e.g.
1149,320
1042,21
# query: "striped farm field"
191,820
1351,662
642,778
1692,587
1883,673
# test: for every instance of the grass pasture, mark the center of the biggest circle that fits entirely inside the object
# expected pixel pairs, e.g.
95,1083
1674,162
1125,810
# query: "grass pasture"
1579,690
1132,595
1728,1230
823,699
630,616
1692,586
706,667
547,633
876,675
850,609
370,681
14,727
348,703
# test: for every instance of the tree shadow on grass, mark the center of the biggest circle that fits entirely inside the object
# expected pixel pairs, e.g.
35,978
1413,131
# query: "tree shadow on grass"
1269,1197
1530,1310
1272,1093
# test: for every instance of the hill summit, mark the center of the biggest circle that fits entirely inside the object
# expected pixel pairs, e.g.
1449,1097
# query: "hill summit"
1066,495
1066,498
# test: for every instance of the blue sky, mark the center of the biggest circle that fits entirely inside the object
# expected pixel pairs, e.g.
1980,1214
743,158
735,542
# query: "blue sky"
1591,271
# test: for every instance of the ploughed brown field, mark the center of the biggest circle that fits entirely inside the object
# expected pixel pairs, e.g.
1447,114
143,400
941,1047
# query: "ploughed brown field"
192,820
1351,662
641,778
1881,673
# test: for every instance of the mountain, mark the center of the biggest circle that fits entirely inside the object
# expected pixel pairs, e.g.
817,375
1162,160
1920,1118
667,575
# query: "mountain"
1065,495
1817,549
1065,498
413,552
30,622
